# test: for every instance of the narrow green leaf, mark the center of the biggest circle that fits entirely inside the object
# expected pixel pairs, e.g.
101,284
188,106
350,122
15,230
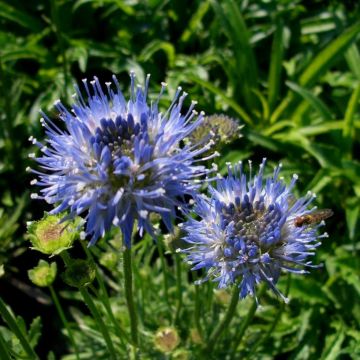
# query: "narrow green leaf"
352,57
349,115
322,62
314,101
245,71
233,104
352,214
333,344
277,53
155,46
195,21
9,319
22,18
328,56
4,350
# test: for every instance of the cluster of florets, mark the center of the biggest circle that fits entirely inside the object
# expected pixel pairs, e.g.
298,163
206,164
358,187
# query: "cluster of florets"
117,162
245,232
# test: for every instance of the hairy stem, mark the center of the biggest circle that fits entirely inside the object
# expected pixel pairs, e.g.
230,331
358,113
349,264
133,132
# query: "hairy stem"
224,322
129,296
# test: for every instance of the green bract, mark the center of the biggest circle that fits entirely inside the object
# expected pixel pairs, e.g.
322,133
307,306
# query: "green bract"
43,274
166,339
79,273
51,237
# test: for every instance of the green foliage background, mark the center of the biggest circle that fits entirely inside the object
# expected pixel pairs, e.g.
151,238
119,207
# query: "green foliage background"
289,70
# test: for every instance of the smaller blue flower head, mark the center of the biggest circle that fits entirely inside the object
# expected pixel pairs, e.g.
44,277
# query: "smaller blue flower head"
116,161
246,233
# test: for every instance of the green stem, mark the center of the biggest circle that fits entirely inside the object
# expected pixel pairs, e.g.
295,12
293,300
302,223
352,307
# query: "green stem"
17,330
276,319
197,312
105,299
129,295
4,348
246,321
63,319
224,322
94,311
160,247
178,287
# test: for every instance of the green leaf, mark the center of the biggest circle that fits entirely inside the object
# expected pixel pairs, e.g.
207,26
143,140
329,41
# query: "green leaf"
195,21
245,71
277,53
233,104
333,345
314,101
351,108
321,63
352,57
328,56
155,46
22,18
352,214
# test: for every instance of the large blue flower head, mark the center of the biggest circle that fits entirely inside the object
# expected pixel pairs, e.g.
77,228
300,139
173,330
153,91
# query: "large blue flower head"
249,229
117,161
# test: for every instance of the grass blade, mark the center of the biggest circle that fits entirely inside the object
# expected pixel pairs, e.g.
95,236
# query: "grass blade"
328,56
16,330
277,53
245,70
322,62
314,101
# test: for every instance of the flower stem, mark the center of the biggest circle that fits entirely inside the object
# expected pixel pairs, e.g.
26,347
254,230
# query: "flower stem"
275,321
224,322
104,298
129,295
63,319
246,321
178,287
94,311
160,246
9,319
197,311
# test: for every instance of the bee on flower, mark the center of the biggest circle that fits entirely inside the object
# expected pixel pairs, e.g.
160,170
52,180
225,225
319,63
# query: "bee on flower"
245,232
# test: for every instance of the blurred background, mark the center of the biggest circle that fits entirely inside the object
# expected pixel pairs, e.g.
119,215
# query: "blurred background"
288,70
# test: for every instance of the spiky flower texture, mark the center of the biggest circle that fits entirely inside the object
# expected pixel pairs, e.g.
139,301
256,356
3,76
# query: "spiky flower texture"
117,161
245,232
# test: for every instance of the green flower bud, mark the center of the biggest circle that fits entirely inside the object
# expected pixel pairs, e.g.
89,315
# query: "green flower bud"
196,337
79,273
166,339
51,237
223,128
180,354
43,274
174,240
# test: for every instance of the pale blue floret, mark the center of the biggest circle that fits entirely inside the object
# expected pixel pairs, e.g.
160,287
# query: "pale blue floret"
244,233
116,161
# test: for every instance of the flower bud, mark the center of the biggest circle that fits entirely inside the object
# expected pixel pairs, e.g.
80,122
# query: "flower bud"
51,237
79,273
224,129
43,274
166,339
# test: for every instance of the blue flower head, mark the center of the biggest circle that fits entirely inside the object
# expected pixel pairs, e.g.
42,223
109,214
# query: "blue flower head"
117,161
246,233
